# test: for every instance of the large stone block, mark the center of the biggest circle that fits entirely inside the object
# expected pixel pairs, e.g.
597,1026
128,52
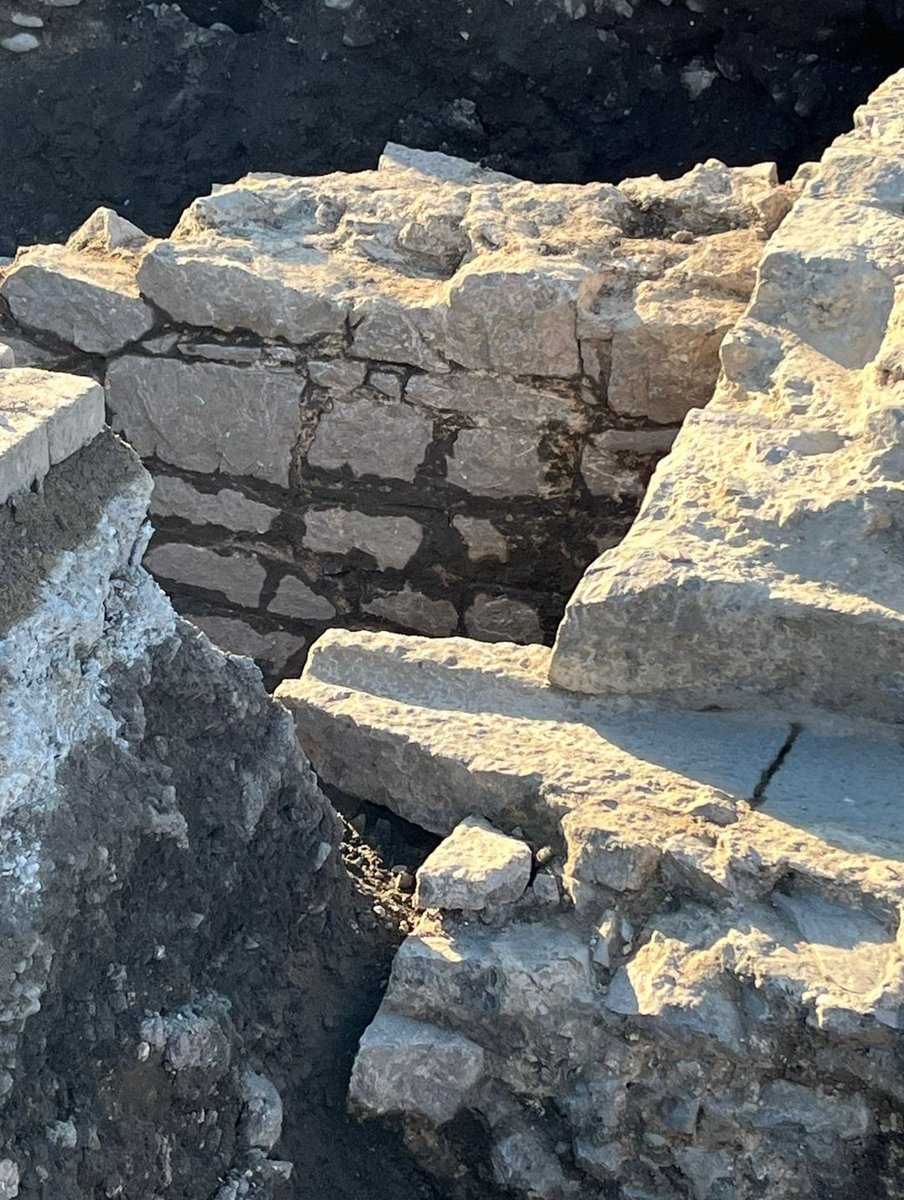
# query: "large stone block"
208,417
238,576
392,541
474,866
497,462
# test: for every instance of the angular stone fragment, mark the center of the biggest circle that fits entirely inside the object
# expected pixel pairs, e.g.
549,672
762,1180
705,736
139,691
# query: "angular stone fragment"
414,610
44,417
208,417
7,356
482,538
497,462
342,374
294,598
392,541
372,437
606,463
238,576
273,649
104,231
89,301
175,497
406,1066
489,399
502,619
474,866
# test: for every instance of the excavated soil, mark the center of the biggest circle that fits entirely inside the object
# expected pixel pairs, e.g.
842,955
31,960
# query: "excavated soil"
142,108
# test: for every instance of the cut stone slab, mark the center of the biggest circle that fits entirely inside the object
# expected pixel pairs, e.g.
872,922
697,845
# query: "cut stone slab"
414,1067
208,417
474,866
442,729
89,301
44,417
392,541
175,497
371,437
766,556
238,576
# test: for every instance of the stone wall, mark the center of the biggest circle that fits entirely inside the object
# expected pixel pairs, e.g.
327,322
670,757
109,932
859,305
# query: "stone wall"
661,952
420,398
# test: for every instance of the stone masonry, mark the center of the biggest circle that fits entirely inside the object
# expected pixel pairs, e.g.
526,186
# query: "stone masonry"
700,996
422,397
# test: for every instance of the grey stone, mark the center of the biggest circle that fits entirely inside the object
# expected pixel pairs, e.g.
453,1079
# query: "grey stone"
496,462
502,619
294,598
523,1161
7,356
392,541
406,1066
20,43
44,418
273,648
386,383
492,399
175,497
87,300
390,331
262,1119
482,538
9,1179
371,437
414,610
106,231
433,165
476,865
608,460
239,576
341,374
208,417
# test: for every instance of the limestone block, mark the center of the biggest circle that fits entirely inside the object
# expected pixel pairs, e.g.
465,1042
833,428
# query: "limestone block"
433,165
482,538
272,649
239,577
201,283
406,1066
207,417
175,497
474,866
609,458
497,462
391,331
87,300
104,231
294,598
502,619
372,437
524,1162
413,610
7,356
44,417
491,399
263,1116
515,314
392,541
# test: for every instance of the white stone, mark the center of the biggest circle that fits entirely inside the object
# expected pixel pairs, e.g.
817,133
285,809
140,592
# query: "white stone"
20,43
474,866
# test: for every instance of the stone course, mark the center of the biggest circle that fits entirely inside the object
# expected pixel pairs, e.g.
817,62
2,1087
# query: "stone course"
427,393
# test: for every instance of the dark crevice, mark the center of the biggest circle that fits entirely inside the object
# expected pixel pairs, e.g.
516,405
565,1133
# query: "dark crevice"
759,792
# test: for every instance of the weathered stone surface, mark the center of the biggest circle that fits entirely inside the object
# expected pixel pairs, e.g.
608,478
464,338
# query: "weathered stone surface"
7,356
496,462
440,730
501,619
609,462
414,610
175,497
273,649
239,576
482,538
371,437
44,418
342,374
88,300
410,1066
294,598
392,541
743,558
490,400
207,417
474,866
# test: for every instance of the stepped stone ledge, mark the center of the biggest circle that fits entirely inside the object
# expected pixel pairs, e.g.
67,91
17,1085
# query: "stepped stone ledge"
700,995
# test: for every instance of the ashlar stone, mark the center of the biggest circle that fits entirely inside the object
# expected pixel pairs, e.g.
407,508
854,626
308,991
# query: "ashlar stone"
372,437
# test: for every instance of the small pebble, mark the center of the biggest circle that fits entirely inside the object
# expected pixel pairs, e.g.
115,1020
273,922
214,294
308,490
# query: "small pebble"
26,21
545,855
20,43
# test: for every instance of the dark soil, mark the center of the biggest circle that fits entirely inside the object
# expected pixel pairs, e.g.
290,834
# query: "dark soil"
139,107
